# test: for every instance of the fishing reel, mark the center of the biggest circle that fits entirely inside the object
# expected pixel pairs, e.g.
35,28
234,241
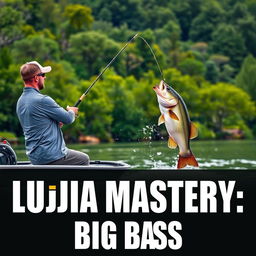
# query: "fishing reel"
7,154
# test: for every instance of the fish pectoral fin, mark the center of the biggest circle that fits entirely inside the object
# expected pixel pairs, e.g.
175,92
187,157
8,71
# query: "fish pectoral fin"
193,131
172,143
173,115
161,119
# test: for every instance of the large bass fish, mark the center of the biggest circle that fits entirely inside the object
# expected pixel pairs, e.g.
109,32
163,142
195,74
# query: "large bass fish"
175,115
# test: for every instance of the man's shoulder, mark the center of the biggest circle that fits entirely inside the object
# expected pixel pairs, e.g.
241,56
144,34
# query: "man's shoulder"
47,100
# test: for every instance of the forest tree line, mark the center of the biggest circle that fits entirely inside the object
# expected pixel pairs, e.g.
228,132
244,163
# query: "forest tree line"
206,50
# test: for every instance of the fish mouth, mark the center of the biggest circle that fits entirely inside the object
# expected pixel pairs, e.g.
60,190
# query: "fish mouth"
156,88
159,87
158,91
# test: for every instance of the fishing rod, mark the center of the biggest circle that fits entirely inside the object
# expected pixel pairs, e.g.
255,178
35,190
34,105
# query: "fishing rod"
101,73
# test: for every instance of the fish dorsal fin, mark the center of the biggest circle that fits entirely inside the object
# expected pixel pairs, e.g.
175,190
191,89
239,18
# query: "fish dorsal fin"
172,143
161,119
193,131
173,115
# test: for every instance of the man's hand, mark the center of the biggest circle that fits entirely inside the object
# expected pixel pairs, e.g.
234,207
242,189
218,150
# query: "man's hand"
74,109
60,124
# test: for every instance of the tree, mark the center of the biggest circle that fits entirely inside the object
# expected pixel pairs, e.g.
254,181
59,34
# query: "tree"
35,47
5,58
144,51
91,51
168,39
246,78
229,42
223,100
192,67
206,22
79,16
248,29
51,10
227,74
251,5
62,83
97,109
245,23
212,72
185,12
120,12
11,23
121,34
187,87
127,117
146,98
156,16
10,90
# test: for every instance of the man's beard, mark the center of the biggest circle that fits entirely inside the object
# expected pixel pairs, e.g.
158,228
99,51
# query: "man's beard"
41,85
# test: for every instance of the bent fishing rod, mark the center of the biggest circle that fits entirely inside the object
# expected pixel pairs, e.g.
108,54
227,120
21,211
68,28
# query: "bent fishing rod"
101,73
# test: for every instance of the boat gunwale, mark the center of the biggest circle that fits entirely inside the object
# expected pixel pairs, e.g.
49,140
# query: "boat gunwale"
97,164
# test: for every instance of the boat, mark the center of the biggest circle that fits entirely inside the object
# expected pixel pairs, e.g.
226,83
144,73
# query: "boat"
8,160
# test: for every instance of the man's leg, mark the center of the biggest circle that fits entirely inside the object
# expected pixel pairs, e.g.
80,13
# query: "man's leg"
73,157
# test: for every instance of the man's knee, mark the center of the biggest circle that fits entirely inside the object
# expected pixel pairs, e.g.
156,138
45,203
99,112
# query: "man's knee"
85,160
75,157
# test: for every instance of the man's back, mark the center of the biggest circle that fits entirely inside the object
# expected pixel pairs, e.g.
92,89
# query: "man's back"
39,116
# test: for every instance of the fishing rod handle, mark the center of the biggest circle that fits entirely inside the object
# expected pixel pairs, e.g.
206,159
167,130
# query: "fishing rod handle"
80,100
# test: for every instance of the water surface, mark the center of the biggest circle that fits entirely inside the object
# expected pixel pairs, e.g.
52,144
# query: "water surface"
234,154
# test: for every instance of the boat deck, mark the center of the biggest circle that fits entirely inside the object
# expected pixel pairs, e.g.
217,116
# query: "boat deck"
112,165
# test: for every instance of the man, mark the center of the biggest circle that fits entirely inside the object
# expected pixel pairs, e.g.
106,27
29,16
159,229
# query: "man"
41,119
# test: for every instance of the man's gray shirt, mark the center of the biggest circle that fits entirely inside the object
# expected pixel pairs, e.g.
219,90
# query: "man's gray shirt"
39,116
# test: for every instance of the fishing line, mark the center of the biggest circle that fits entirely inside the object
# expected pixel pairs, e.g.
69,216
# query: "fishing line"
160,70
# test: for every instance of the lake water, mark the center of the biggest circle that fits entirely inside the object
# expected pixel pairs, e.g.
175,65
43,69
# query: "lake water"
233,154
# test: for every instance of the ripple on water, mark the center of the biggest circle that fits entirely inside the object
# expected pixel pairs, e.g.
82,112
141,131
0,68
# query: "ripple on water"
230,163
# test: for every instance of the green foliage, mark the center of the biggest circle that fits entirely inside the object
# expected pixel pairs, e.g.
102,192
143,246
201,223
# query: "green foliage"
227,74
156,16
204,132
192,67
229,42
168,37
206,22
126,115
223,100
236,122
90,51
79,16
10,89
143,50
201,46
212,72
186,11
97,108
7,136
5,58
11,22
246,79
35,47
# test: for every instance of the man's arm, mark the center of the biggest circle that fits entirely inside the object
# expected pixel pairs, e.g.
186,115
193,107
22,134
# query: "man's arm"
57,113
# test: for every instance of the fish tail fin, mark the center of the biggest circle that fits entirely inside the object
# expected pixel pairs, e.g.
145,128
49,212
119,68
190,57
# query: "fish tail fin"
187,160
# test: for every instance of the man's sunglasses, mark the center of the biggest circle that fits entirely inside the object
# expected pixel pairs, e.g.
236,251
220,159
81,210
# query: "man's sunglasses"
41,74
